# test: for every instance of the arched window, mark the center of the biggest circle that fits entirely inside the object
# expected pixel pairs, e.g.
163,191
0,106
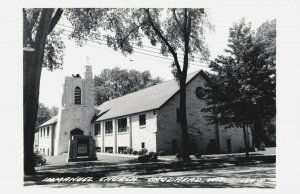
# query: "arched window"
77,95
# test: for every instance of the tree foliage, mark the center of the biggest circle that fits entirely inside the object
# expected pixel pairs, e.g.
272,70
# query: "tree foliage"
45,113
116,82
124,28
54,48
242,83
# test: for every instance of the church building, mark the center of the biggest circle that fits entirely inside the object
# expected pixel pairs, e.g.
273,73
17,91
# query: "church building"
148,118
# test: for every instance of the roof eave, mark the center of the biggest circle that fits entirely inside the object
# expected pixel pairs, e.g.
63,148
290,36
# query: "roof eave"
200,72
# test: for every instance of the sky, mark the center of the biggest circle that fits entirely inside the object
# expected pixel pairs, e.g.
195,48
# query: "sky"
101,57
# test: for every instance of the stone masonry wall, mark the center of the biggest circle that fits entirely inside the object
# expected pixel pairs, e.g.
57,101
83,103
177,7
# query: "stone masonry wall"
72,116
146,134
169,129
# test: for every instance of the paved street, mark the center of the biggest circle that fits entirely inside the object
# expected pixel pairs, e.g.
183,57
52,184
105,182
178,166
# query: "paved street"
252,176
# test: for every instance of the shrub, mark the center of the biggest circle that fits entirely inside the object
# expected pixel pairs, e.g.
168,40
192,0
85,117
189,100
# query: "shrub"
153,157
110,151
144,158
129,150
39,159
135,152
151,153
198,155
161,153
178,155
144,151
262,147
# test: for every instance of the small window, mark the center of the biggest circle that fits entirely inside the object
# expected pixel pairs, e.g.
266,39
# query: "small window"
143,144
109,149
122,150
122,125
77,95
41,132
108,127
199,92
142,119
44,132
97,129
178,115
47,131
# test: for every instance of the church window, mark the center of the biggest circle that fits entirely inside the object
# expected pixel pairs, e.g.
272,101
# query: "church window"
200,92
142,119
77,95
108,127
97,129
122,125
47,131
109,149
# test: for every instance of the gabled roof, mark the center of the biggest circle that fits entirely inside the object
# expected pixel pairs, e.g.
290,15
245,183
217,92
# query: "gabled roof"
143,100
50,121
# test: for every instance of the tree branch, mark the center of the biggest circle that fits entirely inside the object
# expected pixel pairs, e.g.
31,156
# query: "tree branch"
176,19
26,31
55,19
165,41
34,19
143,23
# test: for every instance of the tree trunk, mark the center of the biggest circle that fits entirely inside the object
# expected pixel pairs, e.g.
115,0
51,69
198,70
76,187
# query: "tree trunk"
217,134
183,121
32,68
246,142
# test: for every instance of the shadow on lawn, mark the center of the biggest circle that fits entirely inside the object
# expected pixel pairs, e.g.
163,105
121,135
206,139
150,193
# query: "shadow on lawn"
98,169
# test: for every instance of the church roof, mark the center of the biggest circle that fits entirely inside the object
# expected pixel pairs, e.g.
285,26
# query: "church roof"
150,98
49,122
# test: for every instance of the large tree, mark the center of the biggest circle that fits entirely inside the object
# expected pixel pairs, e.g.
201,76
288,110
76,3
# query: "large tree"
116,82
38,25
39,32
178,32
242,83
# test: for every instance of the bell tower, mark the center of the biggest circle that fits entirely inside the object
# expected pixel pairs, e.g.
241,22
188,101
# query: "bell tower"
77,109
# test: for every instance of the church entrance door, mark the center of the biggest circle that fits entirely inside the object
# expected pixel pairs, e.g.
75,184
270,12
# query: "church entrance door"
76,132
